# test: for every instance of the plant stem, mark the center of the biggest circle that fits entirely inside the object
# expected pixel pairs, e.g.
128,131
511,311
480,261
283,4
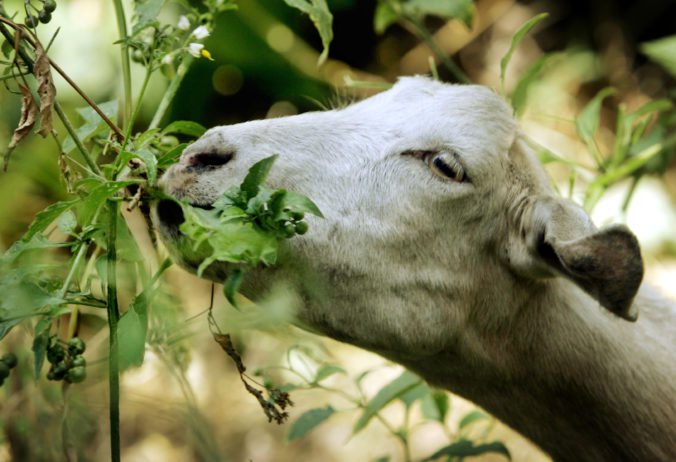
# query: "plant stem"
126,69
426,37
171,92
137,107
113,318
78,142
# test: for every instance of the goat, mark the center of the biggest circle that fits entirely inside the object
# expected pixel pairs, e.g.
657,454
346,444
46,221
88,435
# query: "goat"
444,248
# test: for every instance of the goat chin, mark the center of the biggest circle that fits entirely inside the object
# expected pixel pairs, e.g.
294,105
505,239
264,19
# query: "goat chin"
444,248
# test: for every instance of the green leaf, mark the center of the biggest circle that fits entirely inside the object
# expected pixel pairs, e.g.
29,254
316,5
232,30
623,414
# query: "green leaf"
447,9
145,13
231,285
384,17
472,417
256,176
171,156
40,342
435,405
67,222
520,94
414,394
185,127
93,123
663,52
465,448
132,330
327,370
299,203
149,160
93,202
393,390
587,122
46,217
518,36
22,298
308,421
322,18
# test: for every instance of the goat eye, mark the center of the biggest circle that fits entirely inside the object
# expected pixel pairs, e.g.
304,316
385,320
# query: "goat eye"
446,165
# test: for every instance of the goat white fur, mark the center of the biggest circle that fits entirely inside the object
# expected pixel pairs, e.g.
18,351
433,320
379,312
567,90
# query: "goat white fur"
491,287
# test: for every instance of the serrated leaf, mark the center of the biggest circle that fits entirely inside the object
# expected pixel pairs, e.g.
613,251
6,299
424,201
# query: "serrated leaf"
308,421
46,217
390,392
145,13
435,405
319,13
93,202
518,36
587,122
327,370
185,127
231,285
472,417
663,52
256,176
465,448
93,123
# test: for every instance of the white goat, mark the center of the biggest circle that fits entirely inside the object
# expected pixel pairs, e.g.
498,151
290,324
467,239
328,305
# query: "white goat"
444,249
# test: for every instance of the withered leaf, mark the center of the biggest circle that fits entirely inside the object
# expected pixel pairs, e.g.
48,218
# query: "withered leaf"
46,90
28,115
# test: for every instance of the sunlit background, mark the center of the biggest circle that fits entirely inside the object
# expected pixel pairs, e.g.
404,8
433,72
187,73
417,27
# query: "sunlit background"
186,402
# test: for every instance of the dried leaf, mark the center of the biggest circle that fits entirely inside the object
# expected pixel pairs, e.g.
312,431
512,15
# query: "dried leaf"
28,115
46,89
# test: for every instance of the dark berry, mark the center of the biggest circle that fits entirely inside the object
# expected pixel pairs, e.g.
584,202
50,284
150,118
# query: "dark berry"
76,346
55,353
49,6
4,370
44,16
76,374
78,361
31,21
10,360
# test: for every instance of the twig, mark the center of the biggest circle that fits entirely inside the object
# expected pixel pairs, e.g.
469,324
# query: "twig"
113,318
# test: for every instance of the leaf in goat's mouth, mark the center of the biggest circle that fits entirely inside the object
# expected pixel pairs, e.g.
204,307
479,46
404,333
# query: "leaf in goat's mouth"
245,225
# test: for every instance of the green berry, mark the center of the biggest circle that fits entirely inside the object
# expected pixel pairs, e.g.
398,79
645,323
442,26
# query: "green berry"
44,16
301,227
289,230
137,56
49,6
76,374
76,346
78,361
10,360
297,216
4,370
51,375
31,21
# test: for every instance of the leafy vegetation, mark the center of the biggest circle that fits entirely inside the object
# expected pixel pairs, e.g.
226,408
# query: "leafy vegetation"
81,269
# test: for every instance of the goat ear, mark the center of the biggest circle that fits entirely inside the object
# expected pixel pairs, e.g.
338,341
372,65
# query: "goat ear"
561,239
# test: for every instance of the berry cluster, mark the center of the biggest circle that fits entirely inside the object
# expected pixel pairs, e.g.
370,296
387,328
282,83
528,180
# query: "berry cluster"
44,14
66,359
7,362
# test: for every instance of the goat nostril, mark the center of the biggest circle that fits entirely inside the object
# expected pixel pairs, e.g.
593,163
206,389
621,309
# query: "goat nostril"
170,213
203,159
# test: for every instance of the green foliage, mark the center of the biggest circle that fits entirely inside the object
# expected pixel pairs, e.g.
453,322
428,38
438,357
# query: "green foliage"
245,225
518,36
319,13
389,12
308,421
663,52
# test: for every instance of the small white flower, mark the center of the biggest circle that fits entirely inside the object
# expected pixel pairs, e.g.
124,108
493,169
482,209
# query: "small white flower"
201,32
167,59
183,23
195,49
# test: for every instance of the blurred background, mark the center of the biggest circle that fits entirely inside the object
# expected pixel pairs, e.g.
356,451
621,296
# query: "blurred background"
186,401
